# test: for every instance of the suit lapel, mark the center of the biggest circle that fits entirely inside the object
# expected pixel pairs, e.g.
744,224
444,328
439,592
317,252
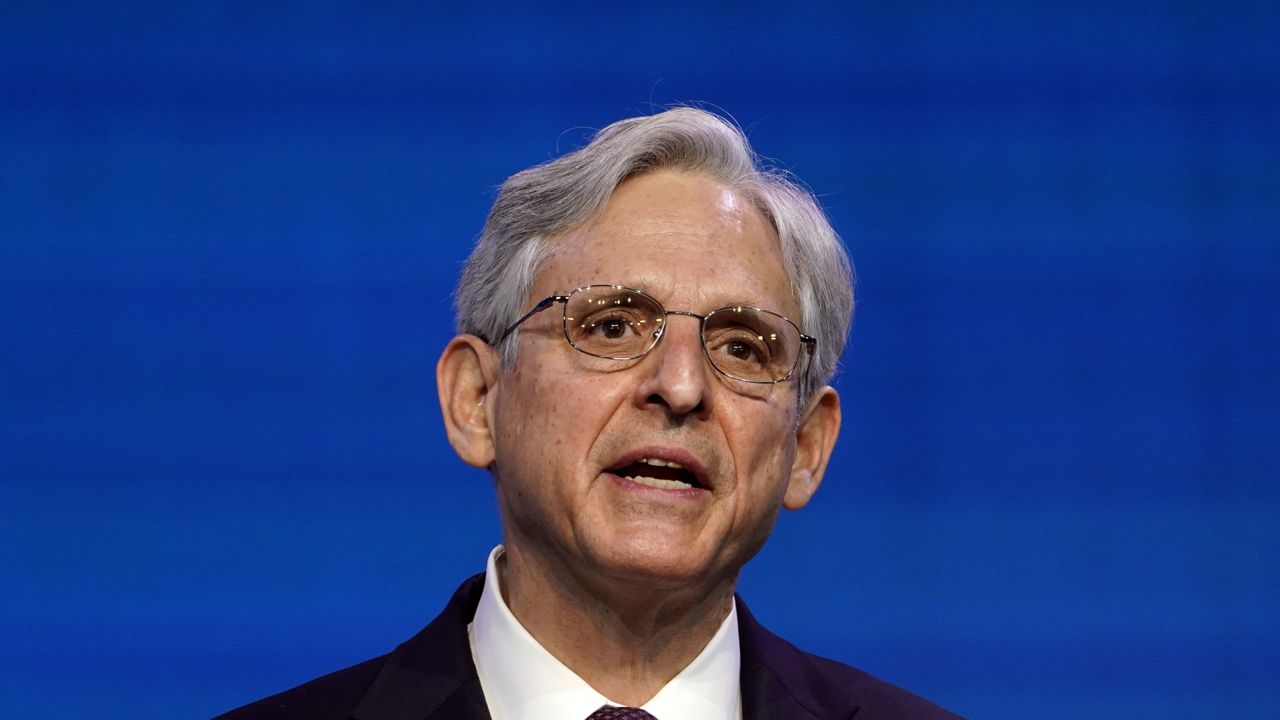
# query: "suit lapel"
765,698
773,688
402,694
431,675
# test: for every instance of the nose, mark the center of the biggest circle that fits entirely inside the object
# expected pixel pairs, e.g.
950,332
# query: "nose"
676,372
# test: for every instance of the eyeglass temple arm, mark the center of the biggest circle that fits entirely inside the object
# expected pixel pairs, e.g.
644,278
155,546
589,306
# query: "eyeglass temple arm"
811,345
543,304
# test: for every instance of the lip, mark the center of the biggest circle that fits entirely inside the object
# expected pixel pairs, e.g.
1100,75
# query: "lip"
678,455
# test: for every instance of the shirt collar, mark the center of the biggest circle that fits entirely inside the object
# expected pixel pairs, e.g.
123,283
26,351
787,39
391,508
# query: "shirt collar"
522,681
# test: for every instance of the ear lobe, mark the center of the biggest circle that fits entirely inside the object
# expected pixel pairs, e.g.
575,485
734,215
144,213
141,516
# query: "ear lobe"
815,438
465,375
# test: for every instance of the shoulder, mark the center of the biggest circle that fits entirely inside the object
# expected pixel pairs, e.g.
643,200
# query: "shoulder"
421,672
332,696
821,687
875,698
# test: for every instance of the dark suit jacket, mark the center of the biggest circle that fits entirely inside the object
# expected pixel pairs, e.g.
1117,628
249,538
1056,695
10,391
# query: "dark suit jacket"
431,676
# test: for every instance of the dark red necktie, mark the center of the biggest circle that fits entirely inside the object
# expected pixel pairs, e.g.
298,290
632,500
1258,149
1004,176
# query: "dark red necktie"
613,712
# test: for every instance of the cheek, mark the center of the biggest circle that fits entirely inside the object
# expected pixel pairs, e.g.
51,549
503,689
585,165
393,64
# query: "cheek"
551,421
767,449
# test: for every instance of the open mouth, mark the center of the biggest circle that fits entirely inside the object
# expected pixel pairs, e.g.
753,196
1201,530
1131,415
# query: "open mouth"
659,473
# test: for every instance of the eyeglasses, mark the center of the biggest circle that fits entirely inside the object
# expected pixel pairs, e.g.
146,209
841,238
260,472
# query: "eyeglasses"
620,323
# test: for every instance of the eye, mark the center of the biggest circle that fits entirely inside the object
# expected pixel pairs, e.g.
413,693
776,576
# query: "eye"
740,350
613,328
612,322
739,347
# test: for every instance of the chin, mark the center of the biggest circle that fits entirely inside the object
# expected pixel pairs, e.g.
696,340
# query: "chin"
657,564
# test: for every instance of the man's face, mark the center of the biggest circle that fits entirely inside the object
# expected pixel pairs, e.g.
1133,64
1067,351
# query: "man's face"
569,428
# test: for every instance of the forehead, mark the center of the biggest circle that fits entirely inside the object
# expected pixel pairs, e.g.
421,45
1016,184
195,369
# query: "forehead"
688,239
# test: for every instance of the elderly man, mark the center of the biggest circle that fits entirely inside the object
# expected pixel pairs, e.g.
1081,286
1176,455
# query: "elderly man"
646,329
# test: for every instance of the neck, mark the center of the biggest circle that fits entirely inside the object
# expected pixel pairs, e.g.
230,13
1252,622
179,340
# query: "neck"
626,640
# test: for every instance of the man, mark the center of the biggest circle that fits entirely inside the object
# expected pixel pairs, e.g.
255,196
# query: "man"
646,329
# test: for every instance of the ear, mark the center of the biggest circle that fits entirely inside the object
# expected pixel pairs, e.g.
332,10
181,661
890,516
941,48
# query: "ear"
466,374
815,437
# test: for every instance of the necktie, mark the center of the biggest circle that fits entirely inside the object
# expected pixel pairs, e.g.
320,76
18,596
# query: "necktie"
613,712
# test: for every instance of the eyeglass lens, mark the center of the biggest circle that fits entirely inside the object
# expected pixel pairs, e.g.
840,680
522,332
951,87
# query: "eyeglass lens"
619,323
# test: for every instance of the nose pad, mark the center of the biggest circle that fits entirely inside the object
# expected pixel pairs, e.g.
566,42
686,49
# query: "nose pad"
658,332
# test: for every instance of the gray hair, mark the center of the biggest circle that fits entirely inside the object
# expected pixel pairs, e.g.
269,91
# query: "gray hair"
562,194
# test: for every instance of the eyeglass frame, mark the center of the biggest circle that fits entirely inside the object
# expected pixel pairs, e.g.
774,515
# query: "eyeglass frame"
810,342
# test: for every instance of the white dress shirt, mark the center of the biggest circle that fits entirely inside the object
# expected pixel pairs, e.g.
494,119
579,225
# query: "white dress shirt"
522,681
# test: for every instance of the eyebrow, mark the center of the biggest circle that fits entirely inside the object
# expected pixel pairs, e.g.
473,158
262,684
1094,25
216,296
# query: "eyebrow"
664,289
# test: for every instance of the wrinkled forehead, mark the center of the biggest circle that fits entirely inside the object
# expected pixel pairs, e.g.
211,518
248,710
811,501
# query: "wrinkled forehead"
689,240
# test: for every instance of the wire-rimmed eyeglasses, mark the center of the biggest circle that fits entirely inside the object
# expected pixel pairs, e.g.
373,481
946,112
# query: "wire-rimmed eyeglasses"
620,323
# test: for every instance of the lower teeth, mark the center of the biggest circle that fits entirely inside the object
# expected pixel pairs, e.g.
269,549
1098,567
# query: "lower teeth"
660,483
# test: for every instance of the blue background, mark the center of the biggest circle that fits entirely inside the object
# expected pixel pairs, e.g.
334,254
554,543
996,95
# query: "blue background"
228,236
